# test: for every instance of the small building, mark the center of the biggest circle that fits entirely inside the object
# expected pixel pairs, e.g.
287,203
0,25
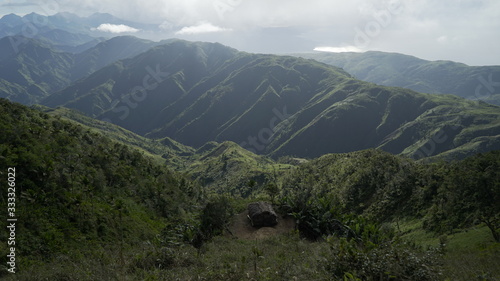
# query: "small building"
262,214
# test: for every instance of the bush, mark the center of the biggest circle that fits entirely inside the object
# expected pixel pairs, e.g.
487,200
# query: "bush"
387,261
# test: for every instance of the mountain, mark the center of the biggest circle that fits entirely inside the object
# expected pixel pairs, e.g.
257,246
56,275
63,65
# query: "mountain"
62,30
81,193
34,25
228,168
66,32
164,150
31,69
435,77
219,167
275,105
65,41
90,208
10,20
109,51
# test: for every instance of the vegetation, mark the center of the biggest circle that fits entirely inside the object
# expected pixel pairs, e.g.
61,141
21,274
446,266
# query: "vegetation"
381,187
90,207
276,105
220,168
398,70
81,194
99,202
282,102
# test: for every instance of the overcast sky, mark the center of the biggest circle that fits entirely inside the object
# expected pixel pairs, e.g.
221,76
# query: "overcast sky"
466,31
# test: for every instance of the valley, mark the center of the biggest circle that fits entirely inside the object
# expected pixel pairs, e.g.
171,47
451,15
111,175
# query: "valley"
137,159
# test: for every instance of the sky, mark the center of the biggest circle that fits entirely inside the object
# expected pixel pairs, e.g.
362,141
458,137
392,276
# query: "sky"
465,31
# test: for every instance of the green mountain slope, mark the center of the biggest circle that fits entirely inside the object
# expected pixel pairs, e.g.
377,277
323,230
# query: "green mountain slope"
224,167
107,52
90,208
395,120
229,168
65,41
277,105
435,77
79,194
162,150
442,196
30,70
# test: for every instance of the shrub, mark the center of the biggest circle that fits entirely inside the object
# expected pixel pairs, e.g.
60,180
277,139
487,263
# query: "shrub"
387,261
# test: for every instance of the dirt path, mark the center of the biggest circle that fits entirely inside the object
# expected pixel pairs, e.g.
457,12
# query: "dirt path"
241,228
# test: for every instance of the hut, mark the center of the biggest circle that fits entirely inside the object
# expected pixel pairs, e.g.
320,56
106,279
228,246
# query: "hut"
262,214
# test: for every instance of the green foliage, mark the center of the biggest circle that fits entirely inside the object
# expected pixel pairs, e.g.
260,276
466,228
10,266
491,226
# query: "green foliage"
371,182
77,189
389,260
220,168
228,168
215,216
277,106
391,69
469,194
382,187
341,198
87,200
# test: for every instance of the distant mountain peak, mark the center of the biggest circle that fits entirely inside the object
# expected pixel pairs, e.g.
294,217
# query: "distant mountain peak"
10,16
33,14
102,17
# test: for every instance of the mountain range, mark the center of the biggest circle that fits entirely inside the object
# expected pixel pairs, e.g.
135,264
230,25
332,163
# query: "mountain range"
65,31
274,105
435,77
136,160
31,69
195,93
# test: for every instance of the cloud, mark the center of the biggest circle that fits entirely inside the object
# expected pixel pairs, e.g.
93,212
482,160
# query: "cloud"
339,49
22,4
116,28
205,27
166,25
471,25
442,39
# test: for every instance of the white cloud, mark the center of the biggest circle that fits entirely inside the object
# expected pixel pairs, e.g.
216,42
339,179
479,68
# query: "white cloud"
338,49
205,27
442,39
116,28
166,25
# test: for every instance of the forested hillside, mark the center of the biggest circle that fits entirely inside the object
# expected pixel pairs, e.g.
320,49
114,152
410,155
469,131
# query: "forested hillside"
275,105
434,77
31,70
180,142
82,197
90,207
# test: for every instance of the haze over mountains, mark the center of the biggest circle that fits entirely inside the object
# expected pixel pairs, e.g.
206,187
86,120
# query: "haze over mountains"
131,159
274,105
